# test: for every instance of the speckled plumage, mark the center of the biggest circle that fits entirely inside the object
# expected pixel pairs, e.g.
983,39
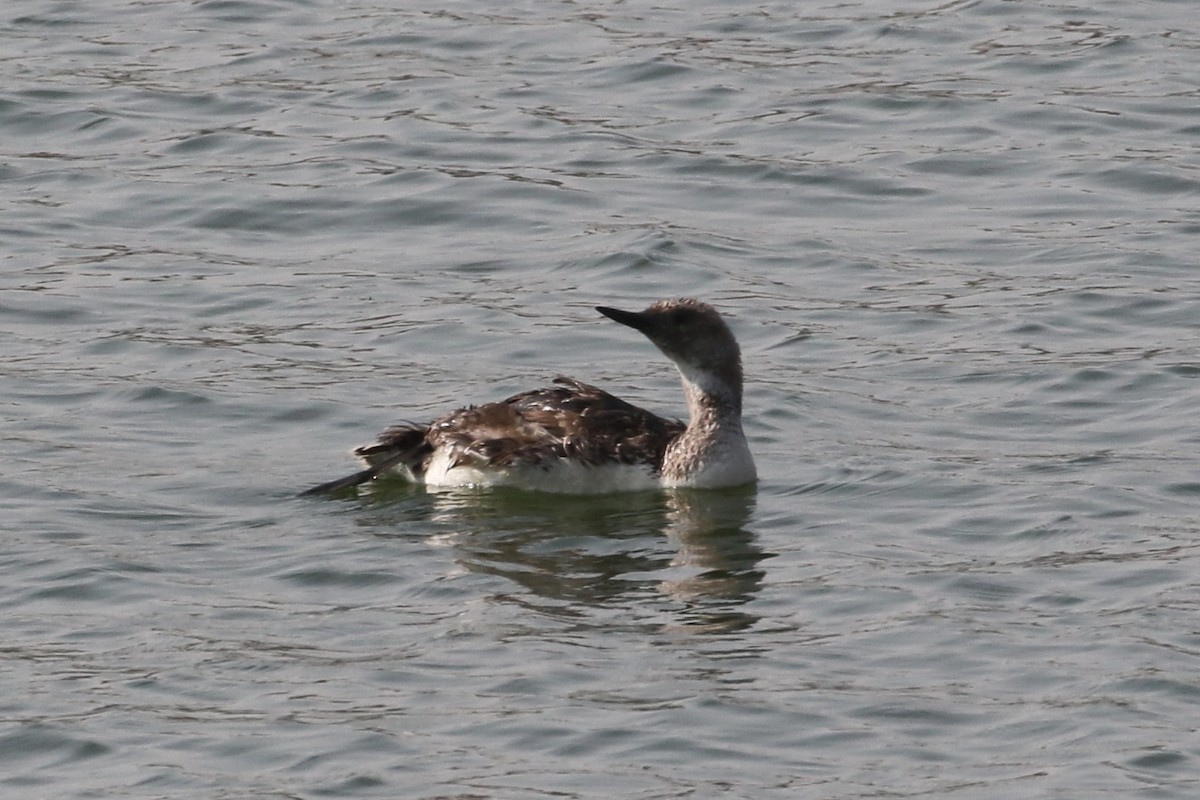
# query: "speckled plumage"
571,420
575,437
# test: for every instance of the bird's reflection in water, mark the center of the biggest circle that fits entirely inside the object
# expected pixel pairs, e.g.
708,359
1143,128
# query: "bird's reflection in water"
716,557
574,555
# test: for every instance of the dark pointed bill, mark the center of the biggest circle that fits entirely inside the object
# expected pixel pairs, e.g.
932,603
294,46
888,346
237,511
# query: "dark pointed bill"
631,318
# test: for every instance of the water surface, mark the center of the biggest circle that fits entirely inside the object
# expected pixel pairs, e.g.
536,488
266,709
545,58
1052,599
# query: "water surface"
956,240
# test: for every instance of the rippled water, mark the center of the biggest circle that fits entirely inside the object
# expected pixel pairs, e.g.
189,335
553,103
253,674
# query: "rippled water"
957,240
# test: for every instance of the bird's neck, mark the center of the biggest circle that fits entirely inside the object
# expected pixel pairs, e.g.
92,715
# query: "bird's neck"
712,451
714,399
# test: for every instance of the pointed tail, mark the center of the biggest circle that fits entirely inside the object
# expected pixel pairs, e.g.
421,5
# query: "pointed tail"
360,477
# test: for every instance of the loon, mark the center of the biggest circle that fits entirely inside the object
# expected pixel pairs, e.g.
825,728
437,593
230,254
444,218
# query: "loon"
575,438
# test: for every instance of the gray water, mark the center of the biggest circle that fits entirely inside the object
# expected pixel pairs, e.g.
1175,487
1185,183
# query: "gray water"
957,241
